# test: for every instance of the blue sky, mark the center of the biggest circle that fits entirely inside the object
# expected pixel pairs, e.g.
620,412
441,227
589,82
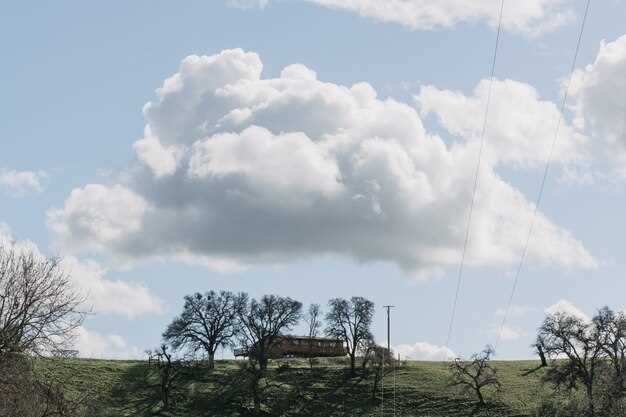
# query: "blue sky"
76,77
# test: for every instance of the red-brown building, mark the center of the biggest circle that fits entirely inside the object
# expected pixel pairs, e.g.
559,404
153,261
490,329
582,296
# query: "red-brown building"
301,347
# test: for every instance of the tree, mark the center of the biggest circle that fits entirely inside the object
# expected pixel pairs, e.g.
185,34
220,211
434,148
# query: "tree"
261,324
168,370
207,322
571,337
39,309
313,320
350,321
381,363
611,330
475,375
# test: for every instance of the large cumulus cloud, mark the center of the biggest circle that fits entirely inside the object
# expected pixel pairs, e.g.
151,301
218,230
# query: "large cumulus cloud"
236,169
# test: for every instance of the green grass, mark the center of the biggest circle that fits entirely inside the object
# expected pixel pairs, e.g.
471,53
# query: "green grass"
122,388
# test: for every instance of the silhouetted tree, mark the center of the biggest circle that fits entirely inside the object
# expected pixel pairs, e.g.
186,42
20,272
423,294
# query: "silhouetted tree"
207,322
379,361
350,321
168,371
262,323
611,330
476,374
39,308
577,340
313,320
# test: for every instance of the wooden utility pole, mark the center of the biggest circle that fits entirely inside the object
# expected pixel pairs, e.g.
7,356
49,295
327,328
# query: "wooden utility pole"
382,384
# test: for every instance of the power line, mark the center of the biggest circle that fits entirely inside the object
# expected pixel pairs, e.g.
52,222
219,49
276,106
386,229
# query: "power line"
545,176
476,176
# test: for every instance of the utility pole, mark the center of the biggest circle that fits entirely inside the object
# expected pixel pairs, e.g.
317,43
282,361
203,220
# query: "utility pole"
382,383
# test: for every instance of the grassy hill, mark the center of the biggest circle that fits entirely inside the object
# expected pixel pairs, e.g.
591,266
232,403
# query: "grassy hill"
128,388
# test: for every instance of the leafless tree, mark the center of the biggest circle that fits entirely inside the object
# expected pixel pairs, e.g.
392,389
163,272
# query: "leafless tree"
261,324
313,320
350,321
379,361
567,336
39,309
611,330
168,370
475,375
207,322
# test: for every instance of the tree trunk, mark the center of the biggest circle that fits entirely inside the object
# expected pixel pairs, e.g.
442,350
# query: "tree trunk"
256,397
542,355
263,362
481,399
590,407
212,359
352,363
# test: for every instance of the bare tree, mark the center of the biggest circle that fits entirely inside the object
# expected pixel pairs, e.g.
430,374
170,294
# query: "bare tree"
39,309
313,320
261,324
207,322
169,371
379,361
350,321
611,330
476,374
567,336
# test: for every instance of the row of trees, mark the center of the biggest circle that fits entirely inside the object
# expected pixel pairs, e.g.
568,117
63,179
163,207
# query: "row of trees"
225,319
590,354
582,357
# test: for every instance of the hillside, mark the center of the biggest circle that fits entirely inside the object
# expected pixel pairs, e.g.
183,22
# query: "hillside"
126,388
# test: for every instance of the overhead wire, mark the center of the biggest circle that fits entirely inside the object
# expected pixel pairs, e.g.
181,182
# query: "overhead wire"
544,178
476,179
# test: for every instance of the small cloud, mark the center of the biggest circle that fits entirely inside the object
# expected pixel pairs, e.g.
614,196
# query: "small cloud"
568,308
515,311
95,345
247,4
423,351
21,183
508,333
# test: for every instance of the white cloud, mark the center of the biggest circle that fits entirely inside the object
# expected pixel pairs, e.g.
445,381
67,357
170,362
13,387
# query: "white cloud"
528,17
161,160
423,351
96,215
95,345
516,311
20,183
568,308
275,169
247,4
597,94
520,126
508,333
90,280
110,296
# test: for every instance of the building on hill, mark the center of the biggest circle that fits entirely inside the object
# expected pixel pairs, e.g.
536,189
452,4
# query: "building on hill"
301,347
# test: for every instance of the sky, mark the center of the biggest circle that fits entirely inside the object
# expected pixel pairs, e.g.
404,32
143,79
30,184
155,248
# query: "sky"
318,149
